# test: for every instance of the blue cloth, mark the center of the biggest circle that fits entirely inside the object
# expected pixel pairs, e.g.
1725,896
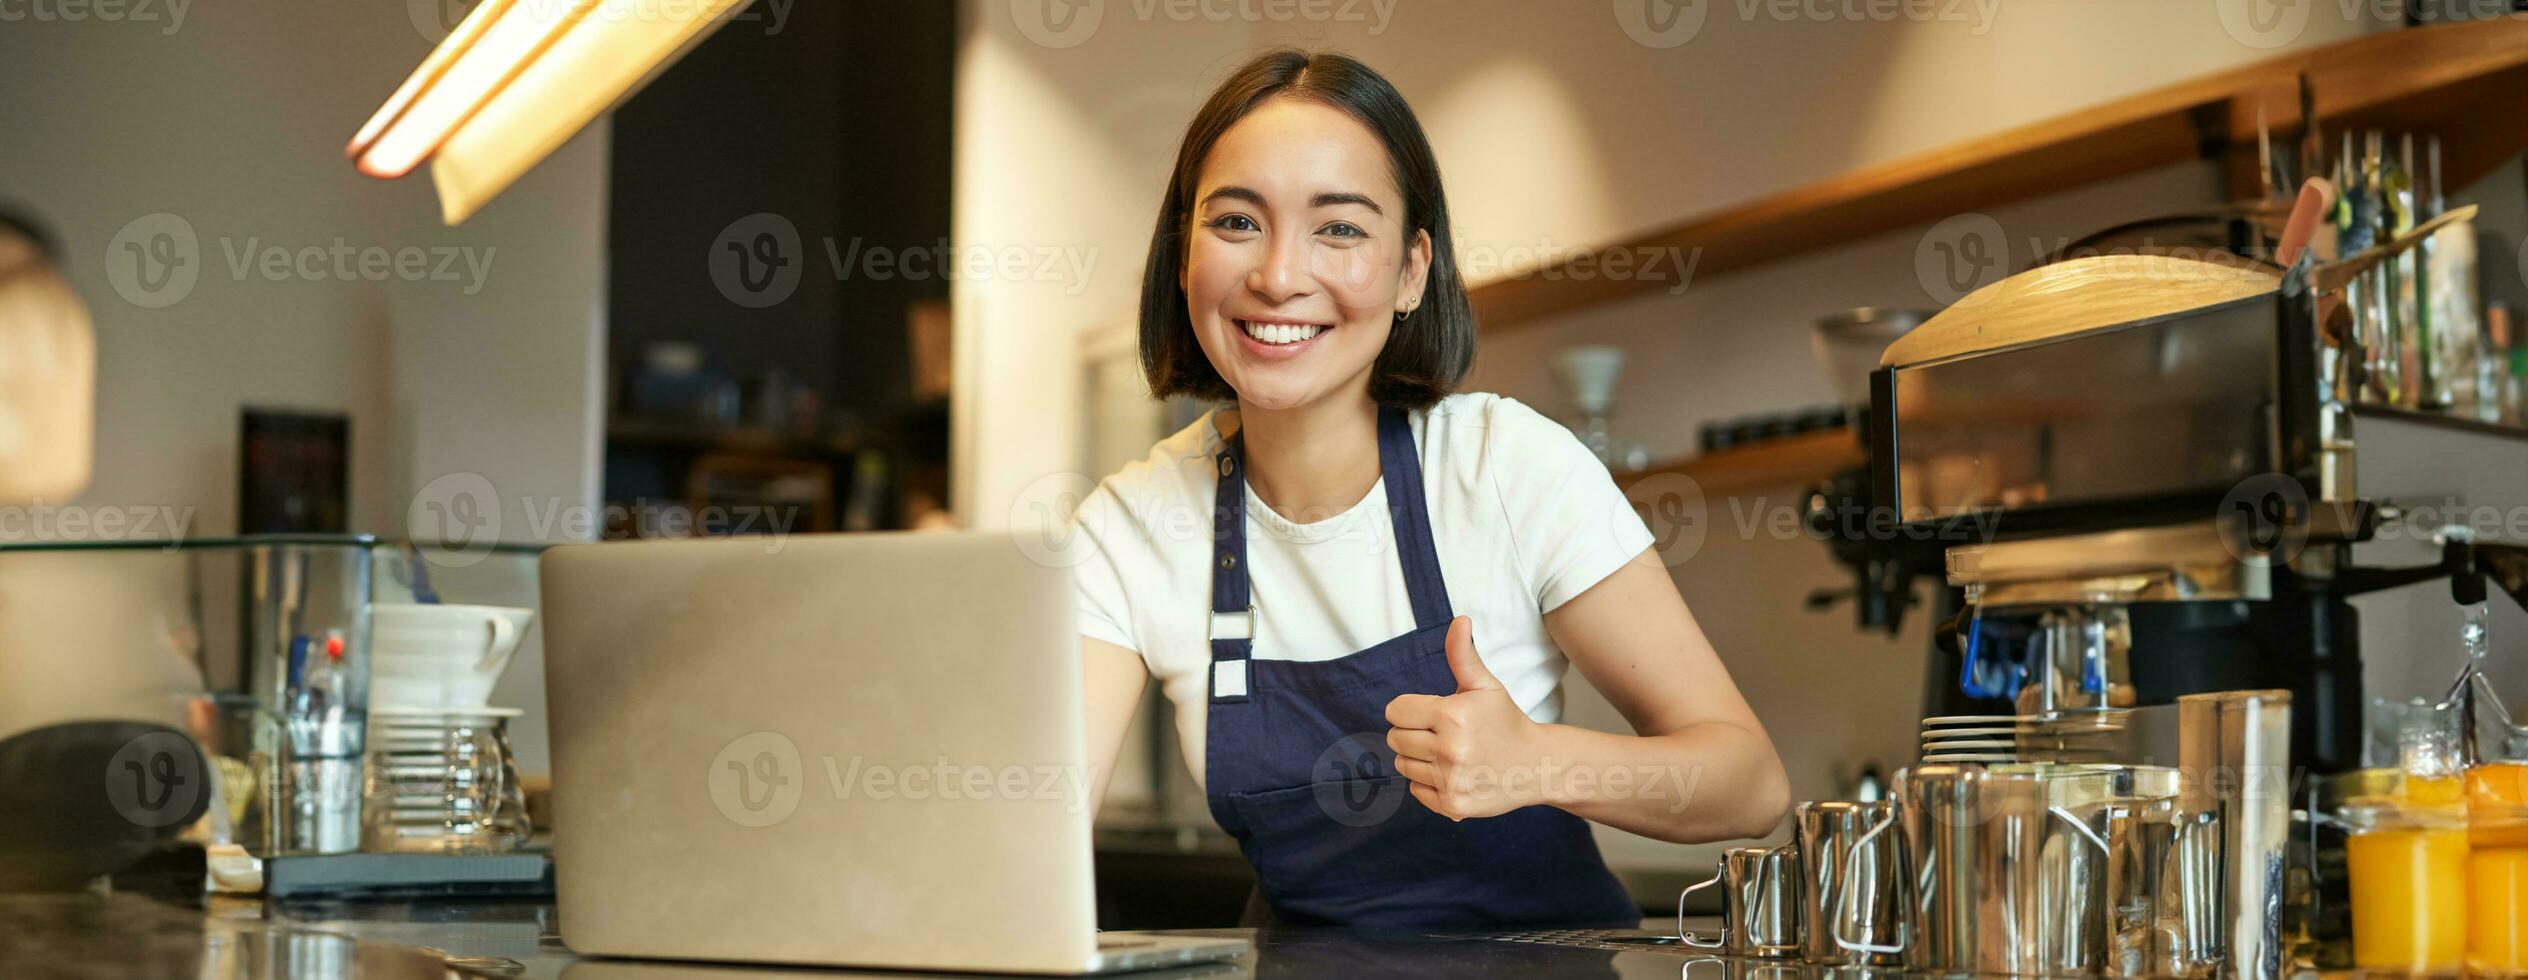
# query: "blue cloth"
1300,772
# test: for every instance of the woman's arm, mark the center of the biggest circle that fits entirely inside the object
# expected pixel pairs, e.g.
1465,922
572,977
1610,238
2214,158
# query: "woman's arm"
1111,686
1632,636
1699,768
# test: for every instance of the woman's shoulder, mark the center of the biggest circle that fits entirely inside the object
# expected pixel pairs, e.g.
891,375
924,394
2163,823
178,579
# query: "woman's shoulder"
1176,467
1493,425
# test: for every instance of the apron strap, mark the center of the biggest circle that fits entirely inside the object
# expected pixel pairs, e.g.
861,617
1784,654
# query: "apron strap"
1231,624
1412,516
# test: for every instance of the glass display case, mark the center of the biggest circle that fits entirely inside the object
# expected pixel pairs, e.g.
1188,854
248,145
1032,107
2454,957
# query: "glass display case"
257,646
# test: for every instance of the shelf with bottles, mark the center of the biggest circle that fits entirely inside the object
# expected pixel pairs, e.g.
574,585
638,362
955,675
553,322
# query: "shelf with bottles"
2460,79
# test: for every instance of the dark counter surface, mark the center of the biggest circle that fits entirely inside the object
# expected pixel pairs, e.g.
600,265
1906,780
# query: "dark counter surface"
133,935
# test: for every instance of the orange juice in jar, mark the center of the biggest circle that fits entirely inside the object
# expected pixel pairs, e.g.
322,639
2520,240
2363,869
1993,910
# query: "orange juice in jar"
2497,786
2497,869
2432,790
2409,888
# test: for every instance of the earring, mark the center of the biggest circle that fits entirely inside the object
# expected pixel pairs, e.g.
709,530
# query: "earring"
1401,314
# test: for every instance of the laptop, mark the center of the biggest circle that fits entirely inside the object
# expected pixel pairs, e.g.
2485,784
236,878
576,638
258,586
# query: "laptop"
857,750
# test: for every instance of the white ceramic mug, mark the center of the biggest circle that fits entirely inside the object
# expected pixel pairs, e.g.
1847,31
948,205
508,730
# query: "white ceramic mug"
435,656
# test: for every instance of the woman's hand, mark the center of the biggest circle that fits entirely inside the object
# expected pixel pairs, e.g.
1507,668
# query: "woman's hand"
1466,753
1475,754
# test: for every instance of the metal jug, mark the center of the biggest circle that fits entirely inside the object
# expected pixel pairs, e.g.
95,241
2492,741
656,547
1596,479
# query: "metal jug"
2043,871
1934,894
1760,908
2005,872
1832,861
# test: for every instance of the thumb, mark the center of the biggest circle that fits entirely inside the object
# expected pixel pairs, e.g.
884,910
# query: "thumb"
1471,674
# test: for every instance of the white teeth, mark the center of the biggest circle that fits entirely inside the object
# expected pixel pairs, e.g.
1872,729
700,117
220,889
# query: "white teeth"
1280,333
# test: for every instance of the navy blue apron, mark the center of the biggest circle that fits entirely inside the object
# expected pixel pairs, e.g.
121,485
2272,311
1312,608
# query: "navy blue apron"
1299,771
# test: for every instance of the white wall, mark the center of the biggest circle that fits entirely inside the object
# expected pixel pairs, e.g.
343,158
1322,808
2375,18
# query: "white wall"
1554,127
234,121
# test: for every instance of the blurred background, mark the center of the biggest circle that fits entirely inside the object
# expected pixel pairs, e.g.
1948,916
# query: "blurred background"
873,265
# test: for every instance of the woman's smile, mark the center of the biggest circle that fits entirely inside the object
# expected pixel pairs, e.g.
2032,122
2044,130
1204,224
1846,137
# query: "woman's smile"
1278,338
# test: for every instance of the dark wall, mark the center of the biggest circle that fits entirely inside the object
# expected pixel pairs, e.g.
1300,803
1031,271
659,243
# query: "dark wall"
835,118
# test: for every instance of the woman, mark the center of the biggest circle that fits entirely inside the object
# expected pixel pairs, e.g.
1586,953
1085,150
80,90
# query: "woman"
1374,532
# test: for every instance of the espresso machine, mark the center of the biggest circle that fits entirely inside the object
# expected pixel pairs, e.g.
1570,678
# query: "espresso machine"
2167,476
2172,523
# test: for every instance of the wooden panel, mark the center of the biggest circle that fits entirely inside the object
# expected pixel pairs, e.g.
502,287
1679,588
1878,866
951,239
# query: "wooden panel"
2459,80
1792,461
2072,297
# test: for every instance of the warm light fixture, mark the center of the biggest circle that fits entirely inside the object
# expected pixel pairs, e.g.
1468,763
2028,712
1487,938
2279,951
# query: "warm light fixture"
515,80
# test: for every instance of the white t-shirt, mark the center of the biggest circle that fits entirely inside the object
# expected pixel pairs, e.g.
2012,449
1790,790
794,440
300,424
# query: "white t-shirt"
1523,517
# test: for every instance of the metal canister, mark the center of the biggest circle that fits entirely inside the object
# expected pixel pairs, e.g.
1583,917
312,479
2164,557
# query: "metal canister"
1833,859
2235,803
1942,809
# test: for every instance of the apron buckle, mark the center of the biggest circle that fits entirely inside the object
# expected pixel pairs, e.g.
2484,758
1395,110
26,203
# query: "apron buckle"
1233,625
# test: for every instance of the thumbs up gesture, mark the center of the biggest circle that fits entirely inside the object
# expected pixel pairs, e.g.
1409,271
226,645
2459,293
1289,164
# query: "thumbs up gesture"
1465,753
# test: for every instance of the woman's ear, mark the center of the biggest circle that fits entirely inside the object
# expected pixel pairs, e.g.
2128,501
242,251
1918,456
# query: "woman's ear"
1416,272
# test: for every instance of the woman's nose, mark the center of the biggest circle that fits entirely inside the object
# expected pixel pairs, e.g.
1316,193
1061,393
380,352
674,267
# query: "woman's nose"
1285,272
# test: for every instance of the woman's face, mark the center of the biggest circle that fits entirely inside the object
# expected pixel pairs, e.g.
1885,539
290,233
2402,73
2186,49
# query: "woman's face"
1298,259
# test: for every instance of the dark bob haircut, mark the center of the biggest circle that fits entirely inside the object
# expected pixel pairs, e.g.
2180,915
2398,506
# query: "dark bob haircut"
1429,351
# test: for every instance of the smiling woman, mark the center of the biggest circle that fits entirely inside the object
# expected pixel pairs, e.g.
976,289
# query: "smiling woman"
1257,153
1370,529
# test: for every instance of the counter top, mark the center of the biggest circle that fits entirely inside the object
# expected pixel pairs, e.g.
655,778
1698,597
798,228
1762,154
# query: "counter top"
127,934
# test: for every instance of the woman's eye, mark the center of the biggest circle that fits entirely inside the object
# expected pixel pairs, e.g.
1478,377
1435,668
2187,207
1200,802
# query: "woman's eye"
1233,222
1344,229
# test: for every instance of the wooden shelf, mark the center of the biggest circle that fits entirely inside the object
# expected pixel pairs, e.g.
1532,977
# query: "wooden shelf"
701,438
2458,81
1786,462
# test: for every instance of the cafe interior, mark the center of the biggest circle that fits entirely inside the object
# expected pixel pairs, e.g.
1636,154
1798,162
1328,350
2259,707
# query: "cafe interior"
2093,436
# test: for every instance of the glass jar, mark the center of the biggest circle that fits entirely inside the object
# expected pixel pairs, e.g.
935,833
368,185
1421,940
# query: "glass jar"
2424,740
442,781
2409,887
2497,869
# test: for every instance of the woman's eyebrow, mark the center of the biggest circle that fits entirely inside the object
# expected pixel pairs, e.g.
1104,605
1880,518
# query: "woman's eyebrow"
1234,191
1326,199
1346,197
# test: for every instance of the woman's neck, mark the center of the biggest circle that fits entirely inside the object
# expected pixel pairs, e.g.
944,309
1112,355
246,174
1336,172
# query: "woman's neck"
1315,461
